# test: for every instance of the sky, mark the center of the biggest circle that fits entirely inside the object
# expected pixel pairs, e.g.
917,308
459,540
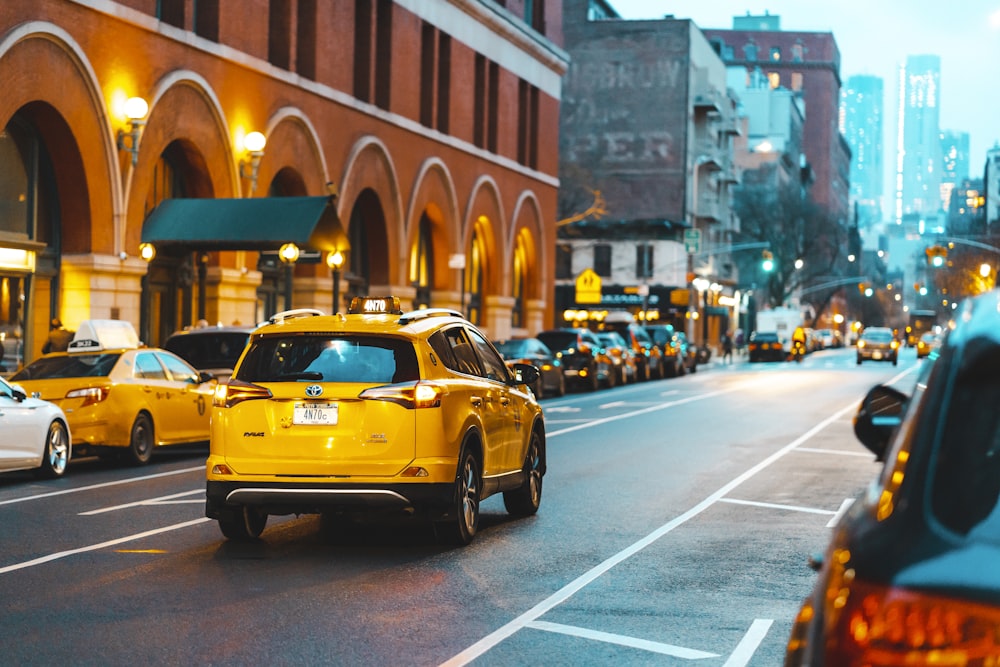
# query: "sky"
874,37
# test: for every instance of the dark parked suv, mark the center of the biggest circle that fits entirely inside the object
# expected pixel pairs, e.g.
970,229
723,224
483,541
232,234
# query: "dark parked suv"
648,356
211,349
910,576
582,354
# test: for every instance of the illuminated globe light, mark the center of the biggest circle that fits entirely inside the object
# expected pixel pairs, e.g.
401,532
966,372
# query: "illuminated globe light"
254,142
136,108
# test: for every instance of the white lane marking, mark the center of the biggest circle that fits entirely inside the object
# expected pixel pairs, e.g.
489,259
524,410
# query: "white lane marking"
749,644
567,591
844,506
561,408
101,486
613,404
622,640
94,547
774,506
670,392
840,452
162,500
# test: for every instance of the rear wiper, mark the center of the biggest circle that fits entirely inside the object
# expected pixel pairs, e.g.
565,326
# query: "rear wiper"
305,375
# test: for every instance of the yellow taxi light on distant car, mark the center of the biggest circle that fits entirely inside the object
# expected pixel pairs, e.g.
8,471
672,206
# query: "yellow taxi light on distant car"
375,409
119,397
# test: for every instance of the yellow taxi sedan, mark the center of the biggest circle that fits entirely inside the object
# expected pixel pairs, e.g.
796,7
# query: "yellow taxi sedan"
372,410
120,398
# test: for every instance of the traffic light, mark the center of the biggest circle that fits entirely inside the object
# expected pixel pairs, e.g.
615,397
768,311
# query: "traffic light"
936,255
767,261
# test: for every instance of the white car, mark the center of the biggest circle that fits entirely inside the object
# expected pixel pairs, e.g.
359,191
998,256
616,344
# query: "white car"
35,434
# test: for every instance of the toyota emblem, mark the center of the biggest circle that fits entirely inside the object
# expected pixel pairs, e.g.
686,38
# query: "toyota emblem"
314,390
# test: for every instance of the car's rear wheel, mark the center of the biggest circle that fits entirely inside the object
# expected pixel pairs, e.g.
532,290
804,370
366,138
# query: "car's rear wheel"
242,523
525,500
140,446
56,455
461,527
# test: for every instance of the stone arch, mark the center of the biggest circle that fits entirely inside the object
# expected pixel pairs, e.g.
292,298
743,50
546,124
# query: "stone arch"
434,195
293,143
484,213
369,171
527,225
61,87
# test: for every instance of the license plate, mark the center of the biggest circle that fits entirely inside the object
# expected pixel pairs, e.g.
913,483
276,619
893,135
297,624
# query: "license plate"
315,414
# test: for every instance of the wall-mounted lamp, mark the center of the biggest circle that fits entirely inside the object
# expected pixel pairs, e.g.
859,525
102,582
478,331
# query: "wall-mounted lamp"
335,260
254,144
147,251
136,109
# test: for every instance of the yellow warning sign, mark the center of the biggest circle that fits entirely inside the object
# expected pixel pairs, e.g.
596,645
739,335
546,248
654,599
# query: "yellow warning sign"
588,287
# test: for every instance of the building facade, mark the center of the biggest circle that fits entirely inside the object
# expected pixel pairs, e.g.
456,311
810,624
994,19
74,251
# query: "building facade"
861,122
647,121
807,63
430,125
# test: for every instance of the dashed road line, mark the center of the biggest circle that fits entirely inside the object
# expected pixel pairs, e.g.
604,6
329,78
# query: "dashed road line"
623,640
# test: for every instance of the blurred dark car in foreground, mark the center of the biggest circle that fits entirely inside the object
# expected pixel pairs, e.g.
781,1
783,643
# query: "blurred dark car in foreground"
551,380
765,346
878,344
910,576
584,361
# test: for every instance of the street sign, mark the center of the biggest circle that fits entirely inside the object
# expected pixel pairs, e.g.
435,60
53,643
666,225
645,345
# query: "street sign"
588,287
692,241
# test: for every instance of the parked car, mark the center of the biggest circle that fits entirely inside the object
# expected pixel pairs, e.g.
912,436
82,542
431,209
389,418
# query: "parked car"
878,344
647,354
551,380
688,352
830,338
120,398
583,358
211,349
35,433
765,346
909,576
625,366
673,349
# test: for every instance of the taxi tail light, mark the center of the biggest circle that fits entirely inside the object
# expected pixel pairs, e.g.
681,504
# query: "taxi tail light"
410,395
90,395
236,391
882,625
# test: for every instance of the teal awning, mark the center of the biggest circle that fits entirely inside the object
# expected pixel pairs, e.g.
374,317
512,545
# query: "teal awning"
256,223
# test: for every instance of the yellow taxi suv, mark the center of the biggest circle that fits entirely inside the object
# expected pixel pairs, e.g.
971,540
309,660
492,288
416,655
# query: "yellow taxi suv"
119,398
373,410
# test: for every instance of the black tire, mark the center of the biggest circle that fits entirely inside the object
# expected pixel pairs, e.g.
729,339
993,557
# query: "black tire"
525,500
56,455
140,446
242,523
462,527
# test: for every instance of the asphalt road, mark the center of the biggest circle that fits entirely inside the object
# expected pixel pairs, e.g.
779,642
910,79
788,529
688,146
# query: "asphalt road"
676,522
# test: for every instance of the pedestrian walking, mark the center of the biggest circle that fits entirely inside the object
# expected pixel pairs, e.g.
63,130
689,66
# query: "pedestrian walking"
727,348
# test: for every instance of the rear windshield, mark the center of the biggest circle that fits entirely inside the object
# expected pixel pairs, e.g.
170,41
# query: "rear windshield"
329,358
877,336
214,350
68,366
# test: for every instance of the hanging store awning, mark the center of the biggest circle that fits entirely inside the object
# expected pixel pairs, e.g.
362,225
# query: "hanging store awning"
256,223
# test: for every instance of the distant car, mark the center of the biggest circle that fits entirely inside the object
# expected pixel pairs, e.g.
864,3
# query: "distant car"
909,575
689,352
35,434
928,343
584,361
120,398
551,379
625,366
647,353
829,338
765,346
878,344
211,349
673,348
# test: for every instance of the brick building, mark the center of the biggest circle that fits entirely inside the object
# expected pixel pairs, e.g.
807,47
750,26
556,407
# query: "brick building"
430,127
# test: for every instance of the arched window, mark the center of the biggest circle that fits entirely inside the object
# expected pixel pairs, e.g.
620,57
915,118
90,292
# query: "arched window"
475,271
421,269
519,276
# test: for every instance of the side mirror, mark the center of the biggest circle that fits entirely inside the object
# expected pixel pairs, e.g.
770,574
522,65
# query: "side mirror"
205,376
18,394
525,374
879,416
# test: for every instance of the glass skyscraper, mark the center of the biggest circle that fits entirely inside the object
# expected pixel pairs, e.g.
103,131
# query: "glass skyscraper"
861,120
918,144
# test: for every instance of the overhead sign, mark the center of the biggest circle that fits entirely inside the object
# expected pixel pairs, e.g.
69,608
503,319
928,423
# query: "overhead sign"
588,287
692,241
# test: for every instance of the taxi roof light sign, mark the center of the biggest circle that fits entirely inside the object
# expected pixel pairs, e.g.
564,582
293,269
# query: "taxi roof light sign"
96,335
375,305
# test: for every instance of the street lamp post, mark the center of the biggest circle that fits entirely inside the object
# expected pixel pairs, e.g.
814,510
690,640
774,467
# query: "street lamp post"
289,254
335,260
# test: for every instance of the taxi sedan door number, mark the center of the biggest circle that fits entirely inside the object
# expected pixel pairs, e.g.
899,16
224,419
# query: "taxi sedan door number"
315,414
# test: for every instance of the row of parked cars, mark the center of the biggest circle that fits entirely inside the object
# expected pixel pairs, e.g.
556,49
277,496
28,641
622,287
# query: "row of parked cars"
620,352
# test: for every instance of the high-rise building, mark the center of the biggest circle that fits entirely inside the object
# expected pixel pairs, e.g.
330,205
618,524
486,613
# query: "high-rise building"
861,122
807,63
954,163
918,144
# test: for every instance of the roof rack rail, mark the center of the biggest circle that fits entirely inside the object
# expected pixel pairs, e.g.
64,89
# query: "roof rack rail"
424,313
294,314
